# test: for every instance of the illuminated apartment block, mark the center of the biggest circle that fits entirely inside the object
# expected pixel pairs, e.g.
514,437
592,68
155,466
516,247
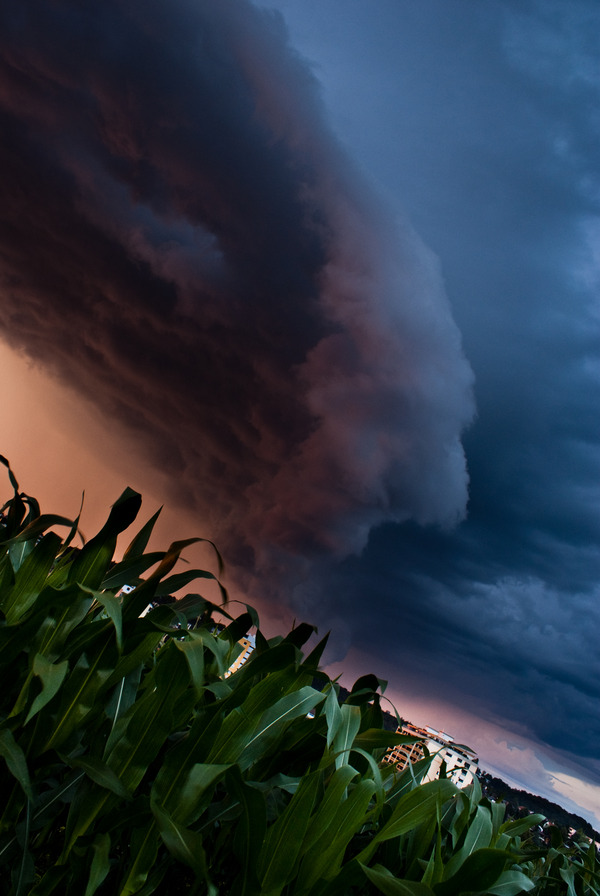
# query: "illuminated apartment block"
247,644
461,763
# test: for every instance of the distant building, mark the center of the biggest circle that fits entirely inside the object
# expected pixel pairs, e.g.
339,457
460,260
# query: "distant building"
461,763
247,644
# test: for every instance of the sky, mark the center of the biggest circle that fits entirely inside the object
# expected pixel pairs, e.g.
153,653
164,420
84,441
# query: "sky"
322,279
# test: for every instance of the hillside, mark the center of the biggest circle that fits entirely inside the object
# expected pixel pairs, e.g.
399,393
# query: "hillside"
519,800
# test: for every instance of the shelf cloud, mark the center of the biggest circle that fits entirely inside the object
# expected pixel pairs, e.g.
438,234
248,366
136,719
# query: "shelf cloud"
186,243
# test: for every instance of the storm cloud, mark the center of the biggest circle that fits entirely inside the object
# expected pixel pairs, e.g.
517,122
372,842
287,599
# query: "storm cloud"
183,239
190,236
482,122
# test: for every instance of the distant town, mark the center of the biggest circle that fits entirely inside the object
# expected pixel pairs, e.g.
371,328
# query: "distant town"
461,765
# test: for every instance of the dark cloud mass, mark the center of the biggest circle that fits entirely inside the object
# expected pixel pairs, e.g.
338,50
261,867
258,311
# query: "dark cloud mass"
184,241
499,169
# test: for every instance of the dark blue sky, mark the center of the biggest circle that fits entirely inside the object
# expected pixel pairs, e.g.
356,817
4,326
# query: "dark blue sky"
331,270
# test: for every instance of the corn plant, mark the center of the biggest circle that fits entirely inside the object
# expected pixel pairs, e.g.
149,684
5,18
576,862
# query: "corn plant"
131,763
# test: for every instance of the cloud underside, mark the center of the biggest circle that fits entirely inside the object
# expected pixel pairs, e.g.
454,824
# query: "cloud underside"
184,243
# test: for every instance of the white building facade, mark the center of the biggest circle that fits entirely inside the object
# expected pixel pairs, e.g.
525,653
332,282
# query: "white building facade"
460,761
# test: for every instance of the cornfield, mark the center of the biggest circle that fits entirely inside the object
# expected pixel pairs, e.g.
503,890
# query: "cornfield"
132,764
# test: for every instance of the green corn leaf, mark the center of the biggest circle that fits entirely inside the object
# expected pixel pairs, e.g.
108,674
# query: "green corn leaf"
190,607
365,689
185,795
290,707
148,726
122,514
173,583
335,794
221,689
100,773
511,883
249,831
480,871
112,606
414,808
478,836
136,603
7,580
346,732
144,848
26,868
183,844
237,628
122,698
92,561
474,792
333,715
419,841
128,571
100,865
15,760
386,883
277,659
52,676
242,724
498,811
193,650
219,649
53,882
38,526
30,578
518,826
171,557
81,691
407,780
460,817
11,475
376,776
63,610
170,780
74,527
136,653
324,859
49,805
300,634
283,843
313,659
18,551
567,872
139,544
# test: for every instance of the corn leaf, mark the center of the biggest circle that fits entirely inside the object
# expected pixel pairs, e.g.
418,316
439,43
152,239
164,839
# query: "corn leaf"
479,835
324,859
414,808
52,676
249,832
15,760
183,844
101,774
30,578
511,883
386,883
282,845
346,732
100,864
480,871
